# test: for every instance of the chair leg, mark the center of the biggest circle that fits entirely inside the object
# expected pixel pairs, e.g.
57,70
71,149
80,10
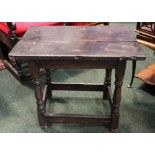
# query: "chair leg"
12,70
133,73
18,67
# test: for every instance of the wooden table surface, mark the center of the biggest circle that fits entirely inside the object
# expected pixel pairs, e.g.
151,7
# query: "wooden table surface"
86,42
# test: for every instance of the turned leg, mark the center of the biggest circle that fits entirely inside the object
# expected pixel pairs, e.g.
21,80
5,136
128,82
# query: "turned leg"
107,82
34,69
17,66
48,83
119,75
133,73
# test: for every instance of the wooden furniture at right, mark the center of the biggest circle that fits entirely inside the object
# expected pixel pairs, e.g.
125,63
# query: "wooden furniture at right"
145,35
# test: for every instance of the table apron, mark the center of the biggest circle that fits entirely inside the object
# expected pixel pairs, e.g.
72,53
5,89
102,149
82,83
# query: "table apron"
78,64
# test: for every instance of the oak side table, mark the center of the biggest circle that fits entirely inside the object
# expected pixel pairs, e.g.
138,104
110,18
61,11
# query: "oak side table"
78,47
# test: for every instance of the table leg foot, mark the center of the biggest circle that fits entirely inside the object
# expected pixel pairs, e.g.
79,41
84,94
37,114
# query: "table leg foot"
113,130
42,119
44,127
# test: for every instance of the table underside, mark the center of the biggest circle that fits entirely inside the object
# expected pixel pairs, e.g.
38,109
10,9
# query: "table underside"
46,119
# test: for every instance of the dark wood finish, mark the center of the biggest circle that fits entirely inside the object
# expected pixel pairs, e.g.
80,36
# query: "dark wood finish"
48,83
77,63
119,75
133,73
78,42
109,96
145,35
13,35
146,28
78,47
12,70
77,87
64,118
107,82
34,69
13,66
7,42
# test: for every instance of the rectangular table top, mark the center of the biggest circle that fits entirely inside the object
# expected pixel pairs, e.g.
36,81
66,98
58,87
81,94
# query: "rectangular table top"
85,42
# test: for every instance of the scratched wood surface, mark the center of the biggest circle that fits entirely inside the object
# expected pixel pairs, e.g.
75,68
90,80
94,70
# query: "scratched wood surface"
85,42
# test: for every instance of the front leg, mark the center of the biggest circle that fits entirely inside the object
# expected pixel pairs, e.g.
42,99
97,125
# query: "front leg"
119,75
34,69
